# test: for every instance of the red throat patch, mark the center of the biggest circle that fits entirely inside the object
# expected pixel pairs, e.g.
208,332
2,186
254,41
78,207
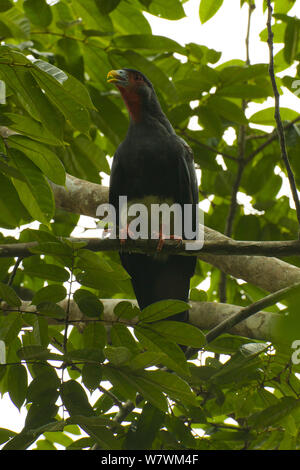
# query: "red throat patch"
132,101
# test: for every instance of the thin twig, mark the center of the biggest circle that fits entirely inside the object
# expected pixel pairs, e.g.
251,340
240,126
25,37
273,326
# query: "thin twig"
14,271
207,147
277,116
111,395
250,310
273,136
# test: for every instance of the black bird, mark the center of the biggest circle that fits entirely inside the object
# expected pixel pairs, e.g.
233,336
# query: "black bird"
153,166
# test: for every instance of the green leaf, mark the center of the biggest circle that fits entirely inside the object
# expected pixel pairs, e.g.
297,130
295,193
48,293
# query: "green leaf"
89,355
168,9
245,91
145,359
107,6
4,30
91,375
266,116
272,414
8,294
148,424
162,309
227,109
5,435
127,310
202,53
181,333
91,152
210,120
12,211
115,127
248,227
53,293
51,309
96,428
121,380
44,388
117,355
208,8
172,385
68,98
89,259
32,128
173,357
75,400
94,335
35,192
17,384
10,327
51,70
292,40
46,160
33,99
53,248
127,19
35,351
40,331
121,336
17,23
48,272
88,303
93,18
147,41
40,415
38,11
5,5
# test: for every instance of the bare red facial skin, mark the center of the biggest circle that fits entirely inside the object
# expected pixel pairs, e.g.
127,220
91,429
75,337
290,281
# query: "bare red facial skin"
131,96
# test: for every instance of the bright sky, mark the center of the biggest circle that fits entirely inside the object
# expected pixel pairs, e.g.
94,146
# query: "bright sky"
225,32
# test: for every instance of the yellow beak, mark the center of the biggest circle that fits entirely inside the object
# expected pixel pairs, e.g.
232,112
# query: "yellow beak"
113,76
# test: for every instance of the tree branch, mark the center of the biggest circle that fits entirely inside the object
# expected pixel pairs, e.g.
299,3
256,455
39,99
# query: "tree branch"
204,315
270,274
246,312
224,247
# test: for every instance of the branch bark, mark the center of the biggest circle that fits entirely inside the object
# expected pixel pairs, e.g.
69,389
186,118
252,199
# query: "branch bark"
204,315
270,274
222,247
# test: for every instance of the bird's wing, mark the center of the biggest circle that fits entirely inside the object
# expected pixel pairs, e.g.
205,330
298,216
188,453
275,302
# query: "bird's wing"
187,174
116,186
187,180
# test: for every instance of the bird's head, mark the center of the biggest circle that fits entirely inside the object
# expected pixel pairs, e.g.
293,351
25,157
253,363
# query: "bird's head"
137,91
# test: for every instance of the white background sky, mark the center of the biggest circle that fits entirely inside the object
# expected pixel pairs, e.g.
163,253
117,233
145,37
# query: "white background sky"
225,32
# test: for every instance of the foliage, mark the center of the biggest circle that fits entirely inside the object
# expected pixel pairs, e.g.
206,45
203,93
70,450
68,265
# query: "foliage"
54,58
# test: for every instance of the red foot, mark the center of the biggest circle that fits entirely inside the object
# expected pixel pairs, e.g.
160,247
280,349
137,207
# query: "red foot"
162,237
124,233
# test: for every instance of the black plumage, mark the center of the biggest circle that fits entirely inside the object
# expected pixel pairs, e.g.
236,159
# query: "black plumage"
153,164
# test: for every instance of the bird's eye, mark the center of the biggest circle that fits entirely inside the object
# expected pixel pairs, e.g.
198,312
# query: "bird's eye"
138,77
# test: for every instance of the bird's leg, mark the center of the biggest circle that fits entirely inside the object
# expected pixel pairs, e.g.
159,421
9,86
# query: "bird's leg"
106,232
162,237
124,232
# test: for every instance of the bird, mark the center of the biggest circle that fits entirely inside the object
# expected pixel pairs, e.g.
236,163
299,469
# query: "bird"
153,165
